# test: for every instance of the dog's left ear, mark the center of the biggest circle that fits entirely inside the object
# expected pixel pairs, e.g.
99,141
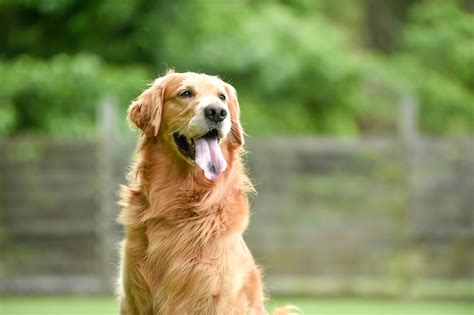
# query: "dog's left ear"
145,111
236,131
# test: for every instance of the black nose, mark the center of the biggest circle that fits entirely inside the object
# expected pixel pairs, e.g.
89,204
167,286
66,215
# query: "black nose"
215,113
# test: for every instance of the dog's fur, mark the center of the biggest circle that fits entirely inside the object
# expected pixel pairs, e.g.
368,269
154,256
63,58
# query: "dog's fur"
183,252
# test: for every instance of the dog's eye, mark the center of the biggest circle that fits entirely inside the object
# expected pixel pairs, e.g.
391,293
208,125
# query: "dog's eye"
186,93
222,97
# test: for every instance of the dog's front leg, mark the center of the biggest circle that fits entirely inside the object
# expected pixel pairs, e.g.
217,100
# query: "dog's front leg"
254,291
134,292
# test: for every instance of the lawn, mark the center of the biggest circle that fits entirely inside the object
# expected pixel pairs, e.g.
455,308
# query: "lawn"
106,306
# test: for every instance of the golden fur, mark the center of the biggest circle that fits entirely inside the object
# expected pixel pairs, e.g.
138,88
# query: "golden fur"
183,252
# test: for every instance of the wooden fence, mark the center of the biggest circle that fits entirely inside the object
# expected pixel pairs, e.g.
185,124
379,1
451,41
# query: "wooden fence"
369,216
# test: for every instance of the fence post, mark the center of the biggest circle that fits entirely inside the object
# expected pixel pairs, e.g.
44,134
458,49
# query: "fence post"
410,140
107,130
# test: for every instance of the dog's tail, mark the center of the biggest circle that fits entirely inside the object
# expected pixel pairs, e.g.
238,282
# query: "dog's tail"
287,310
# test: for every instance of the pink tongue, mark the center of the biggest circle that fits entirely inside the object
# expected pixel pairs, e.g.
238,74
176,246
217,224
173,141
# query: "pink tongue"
209,157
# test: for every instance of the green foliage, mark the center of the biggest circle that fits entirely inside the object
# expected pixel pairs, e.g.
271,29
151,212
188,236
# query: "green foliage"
59,96
437,57
440,37
299,66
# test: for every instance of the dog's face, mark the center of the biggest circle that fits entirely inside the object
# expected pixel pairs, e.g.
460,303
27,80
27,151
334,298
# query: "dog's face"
196,114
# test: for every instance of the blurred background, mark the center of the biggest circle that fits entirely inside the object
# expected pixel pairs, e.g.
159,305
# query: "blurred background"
360,122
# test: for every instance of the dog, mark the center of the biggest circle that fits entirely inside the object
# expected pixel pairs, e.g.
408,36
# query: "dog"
185,207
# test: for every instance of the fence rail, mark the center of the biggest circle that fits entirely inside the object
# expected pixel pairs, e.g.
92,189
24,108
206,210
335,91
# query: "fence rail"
331,216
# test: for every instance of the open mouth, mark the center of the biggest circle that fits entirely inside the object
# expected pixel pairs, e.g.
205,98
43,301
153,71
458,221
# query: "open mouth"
204,151
187,146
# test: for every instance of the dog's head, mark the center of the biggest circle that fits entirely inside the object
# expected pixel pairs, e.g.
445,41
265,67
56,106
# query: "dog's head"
195,114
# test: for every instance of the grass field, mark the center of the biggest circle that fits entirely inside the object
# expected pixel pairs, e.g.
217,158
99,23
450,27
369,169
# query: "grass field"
106,306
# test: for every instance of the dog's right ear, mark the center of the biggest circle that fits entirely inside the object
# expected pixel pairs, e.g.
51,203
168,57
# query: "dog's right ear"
145,111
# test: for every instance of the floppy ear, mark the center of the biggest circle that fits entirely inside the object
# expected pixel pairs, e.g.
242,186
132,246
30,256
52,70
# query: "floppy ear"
145,111
236,131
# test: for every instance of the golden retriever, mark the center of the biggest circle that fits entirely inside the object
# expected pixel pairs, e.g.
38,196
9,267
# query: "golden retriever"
185,206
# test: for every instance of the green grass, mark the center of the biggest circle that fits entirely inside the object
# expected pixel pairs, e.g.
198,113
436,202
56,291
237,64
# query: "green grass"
106,306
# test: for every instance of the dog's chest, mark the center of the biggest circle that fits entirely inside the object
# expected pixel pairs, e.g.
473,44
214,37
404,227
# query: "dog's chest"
195,271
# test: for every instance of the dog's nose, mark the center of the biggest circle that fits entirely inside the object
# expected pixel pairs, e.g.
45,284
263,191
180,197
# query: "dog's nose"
215,113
